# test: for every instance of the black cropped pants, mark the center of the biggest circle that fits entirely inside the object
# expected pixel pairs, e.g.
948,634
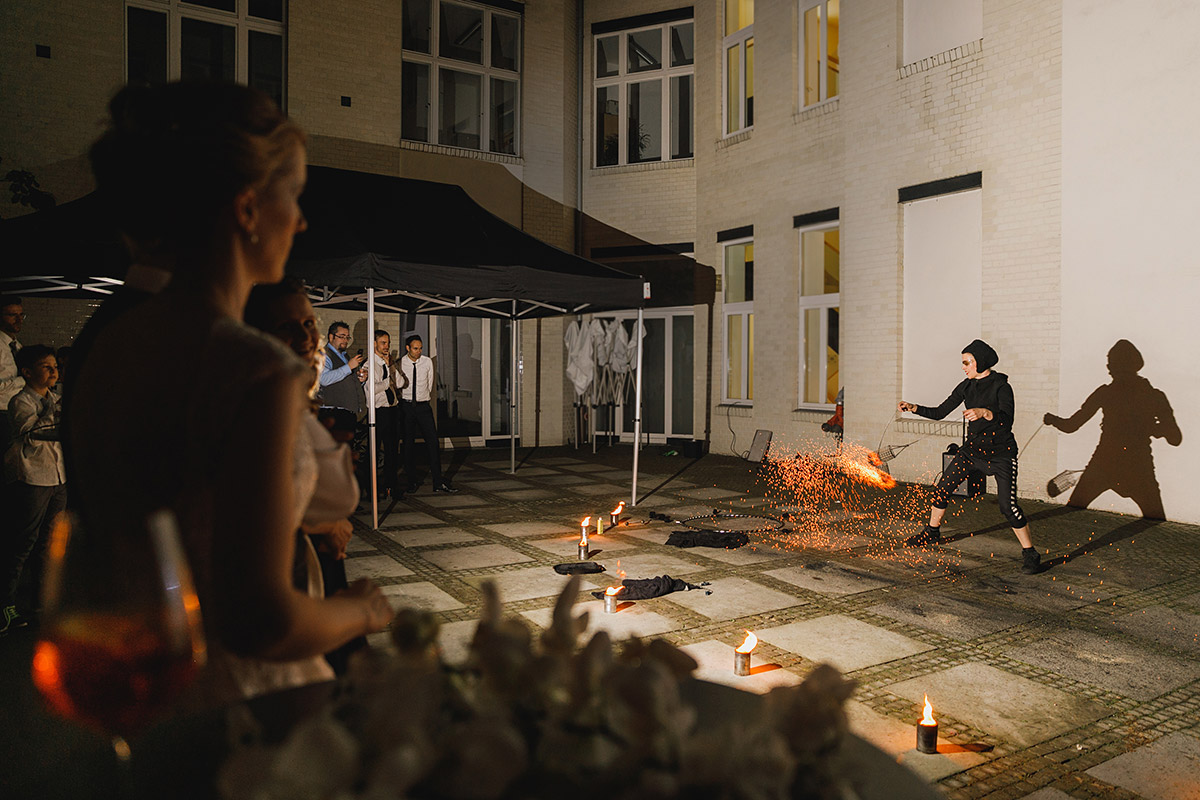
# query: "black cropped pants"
1004,468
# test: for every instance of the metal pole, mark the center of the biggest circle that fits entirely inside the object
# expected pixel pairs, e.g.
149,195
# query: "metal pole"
637,409
370,393
512,392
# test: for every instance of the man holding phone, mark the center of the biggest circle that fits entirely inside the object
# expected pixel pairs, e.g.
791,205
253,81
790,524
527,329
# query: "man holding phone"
341,381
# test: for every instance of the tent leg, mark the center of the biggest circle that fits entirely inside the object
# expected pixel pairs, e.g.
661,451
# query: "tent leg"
371,444
512,394
637,409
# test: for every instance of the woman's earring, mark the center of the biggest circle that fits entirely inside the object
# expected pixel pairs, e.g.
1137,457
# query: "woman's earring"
254,238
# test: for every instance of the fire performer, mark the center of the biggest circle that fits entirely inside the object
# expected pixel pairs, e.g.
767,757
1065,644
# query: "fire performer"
990,447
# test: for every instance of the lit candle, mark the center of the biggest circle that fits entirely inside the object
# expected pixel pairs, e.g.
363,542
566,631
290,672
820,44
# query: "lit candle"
610,599
927,731
584,553
583,530
614,516
741,656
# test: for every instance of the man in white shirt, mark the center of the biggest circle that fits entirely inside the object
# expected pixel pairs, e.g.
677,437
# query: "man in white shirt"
387,423
12,315
416,389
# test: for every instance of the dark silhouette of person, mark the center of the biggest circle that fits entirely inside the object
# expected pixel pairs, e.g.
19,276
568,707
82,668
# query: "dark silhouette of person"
1133,413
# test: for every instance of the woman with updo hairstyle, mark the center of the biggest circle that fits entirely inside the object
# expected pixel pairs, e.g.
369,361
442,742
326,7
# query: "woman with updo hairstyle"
180,405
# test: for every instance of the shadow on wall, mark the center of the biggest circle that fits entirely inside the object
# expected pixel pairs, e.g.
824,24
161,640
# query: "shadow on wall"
1133,413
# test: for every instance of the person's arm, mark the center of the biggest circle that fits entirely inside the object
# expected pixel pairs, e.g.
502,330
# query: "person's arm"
254,608
11,381
940,412
1077,420
26,414
331,375
1165,425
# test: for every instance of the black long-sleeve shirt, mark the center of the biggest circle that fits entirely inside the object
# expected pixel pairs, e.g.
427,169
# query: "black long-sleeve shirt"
986,438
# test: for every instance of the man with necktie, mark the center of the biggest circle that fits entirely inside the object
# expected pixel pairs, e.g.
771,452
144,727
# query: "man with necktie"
416,384
386,412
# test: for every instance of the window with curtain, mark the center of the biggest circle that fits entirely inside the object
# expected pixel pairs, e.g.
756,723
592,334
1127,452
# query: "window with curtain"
738,65
738,322
820,300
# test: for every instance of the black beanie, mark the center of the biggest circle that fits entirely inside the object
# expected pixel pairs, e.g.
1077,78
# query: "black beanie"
985,356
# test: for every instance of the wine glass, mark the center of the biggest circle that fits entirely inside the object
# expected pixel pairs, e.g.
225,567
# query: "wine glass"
121,636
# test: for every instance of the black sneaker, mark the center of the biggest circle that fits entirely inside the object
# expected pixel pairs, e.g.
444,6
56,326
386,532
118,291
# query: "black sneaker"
927,537
1031,561
445,488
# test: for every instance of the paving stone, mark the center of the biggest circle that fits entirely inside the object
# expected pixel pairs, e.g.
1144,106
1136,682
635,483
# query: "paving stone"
899,739
1167,769
952,616
563,480
454,500
526,584
651,565
454,640
505,464
828,578
716,665
499,485
476,557
1110,663
631,619
598,490
424,537
1032,591
532,527
1118,568
357,544
1005,705
556,461
567,547
732,598
423,595
529,494
1168,626
1048,794
589,468
658,535
535,472
709,493
747,554
381,566
405,518
843,641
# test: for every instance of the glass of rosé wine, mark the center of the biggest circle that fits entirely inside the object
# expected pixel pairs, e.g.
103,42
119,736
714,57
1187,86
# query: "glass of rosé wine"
121,636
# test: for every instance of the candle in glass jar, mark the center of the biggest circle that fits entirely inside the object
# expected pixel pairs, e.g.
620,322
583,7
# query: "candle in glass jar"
927,730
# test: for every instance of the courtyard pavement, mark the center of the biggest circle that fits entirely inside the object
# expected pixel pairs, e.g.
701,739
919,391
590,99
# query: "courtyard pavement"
1082,681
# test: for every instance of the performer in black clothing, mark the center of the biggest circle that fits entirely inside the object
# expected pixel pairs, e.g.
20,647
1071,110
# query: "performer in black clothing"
990,447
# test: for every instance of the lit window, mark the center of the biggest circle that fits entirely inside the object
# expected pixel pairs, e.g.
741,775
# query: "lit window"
738,312
820,284
236,40
644,85
461,74
738,61
819,64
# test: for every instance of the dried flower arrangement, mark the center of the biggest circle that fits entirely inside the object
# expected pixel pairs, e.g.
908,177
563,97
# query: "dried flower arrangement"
536,720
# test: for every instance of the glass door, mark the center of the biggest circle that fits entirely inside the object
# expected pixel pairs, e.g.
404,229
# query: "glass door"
668,379
474,366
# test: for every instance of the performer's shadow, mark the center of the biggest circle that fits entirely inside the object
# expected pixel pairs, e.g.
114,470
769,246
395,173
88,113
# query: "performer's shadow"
1133,413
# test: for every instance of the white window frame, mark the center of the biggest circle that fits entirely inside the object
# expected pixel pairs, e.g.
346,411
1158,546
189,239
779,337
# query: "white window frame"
738,39
624,78
823,57
815,302
484,70
239,20
746,309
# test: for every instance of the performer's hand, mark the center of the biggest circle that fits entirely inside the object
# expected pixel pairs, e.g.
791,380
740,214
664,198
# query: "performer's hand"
905,406
972,414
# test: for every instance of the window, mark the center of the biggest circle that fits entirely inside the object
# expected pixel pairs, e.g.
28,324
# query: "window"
461,74
820,281
738,312
240,40
819,64
739,65
935,26
644,80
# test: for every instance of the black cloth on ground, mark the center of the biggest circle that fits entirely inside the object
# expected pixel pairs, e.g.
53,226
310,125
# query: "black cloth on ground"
646,588
708,538
578,568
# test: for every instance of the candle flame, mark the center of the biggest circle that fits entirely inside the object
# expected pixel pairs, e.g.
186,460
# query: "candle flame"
620,507
586,521
750,642
610,591
928,718
583,542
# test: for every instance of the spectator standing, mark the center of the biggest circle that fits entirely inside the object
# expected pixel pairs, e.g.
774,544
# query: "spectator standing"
387,423
12,315
34,466
415,394
341,385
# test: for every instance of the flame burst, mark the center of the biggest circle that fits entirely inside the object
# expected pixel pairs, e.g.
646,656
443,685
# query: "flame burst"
612,590
928,718
748,644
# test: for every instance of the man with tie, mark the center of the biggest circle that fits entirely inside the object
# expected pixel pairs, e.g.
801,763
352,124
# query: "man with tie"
12,315
416,384
386,412
341,385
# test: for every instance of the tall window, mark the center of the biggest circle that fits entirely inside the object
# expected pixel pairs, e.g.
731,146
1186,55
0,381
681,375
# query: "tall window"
819,64
461,75
236,40
739,65
738,311
820,281
644,80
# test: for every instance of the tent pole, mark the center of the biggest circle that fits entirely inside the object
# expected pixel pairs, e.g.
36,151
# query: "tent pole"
637,408
512,392
370,392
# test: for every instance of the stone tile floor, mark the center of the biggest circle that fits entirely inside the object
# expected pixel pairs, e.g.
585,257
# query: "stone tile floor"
1080,682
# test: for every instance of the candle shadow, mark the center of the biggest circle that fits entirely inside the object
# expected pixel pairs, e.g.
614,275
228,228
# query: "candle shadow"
761,668
972,747
625,604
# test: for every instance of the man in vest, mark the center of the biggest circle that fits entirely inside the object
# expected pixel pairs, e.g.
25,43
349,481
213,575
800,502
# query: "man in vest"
341,383
416,382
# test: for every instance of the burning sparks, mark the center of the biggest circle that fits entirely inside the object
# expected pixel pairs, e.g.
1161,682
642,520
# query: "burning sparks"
748,644
928,718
